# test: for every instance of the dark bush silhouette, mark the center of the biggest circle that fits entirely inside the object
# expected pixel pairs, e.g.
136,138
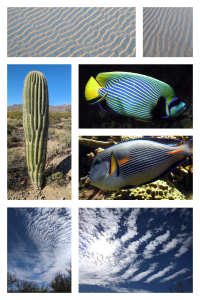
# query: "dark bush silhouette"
182,285
11,281
26,286
59,284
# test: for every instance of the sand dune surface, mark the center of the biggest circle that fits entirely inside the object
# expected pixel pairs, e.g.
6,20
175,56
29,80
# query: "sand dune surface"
71,31
167,32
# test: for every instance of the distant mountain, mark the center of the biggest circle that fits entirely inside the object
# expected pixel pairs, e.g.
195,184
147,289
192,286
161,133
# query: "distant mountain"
60,108
15,107
57,108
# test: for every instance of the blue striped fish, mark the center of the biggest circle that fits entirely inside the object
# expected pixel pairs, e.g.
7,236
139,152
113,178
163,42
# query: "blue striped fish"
134,95
136,162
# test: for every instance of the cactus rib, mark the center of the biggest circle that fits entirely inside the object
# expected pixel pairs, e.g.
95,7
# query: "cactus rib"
35,123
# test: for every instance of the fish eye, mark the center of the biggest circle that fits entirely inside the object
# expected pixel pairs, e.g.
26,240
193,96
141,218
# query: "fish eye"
96,162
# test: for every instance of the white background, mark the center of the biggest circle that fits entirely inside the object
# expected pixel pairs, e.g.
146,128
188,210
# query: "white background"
75,203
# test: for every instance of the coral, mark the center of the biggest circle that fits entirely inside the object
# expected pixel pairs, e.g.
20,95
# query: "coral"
158,190
91,157
94,143
35,123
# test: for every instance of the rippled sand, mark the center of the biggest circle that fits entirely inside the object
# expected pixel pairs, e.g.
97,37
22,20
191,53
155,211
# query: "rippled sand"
69,31
168,31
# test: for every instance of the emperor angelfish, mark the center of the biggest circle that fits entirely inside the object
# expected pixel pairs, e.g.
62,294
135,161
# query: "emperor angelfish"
134,95
136,162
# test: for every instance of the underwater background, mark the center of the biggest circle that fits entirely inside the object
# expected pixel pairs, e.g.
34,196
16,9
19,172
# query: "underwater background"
177,185
179,77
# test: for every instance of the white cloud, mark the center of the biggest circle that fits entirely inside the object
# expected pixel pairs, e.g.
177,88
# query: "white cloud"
151,247
46,248
128,235
126,290
185,247
169,246
159,274
141,275
183,271
183,227
149,221
126,246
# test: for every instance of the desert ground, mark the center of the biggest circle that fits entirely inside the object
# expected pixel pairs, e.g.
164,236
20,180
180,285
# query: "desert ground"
57,173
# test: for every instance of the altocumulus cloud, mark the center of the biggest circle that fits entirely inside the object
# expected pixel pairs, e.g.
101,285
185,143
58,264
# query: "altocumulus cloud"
39,242
132,250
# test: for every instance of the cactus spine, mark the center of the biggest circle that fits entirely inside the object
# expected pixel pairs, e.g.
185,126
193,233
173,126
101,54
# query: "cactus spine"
35,123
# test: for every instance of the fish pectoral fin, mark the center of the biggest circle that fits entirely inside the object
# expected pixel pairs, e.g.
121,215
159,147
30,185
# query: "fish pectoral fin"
114,168
103,98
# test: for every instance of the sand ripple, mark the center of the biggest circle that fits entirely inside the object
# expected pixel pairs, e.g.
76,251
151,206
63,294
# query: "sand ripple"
71,31
168,31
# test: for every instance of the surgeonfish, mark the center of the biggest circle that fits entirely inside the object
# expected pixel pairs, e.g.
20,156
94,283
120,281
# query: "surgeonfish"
136,162
134,95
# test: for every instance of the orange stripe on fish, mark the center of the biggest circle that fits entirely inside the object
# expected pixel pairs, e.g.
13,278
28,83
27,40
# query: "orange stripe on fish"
141,120
174,152
123,160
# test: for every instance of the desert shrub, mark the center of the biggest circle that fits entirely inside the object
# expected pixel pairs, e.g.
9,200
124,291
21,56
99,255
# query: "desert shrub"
51,131
15,159
55,117
16,122
10,128
51,152
14,136
55,177
51,134
68,109
15,114
67,126
64,139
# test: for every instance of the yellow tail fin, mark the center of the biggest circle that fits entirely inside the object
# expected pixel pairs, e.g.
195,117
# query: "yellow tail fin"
91,89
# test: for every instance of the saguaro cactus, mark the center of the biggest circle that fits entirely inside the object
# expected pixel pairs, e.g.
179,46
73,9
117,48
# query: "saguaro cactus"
35,123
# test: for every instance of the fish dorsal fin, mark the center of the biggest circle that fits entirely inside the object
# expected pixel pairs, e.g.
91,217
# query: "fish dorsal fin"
102,78
114,168
168,142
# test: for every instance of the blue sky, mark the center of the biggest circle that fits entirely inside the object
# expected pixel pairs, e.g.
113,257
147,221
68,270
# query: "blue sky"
58,80
132,249
39,242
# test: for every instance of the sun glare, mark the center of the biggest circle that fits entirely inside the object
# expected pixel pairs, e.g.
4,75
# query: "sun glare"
102,246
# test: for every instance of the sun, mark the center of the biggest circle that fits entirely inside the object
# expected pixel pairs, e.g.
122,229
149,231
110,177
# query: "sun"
101,246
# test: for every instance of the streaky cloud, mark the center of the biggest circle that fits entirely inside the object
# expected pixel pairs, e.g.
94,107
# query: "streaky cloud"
159,274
